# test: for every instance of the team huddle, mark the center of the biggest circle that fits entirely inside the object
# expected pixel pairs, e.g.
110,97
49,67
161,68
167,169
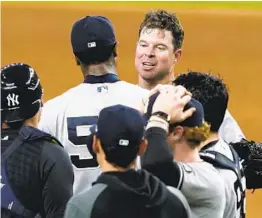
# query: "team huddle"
165,147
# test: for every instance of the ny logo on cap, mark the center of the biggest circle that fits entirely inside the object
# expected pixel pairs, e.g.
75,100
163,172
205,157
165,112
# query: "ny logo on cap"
91,44
12,99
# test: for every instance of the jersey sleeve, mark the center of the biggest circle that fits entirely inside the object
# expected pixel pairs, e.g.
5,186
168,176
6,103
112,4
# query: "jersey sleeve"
47,119
56,172
230,130
50,115
158,158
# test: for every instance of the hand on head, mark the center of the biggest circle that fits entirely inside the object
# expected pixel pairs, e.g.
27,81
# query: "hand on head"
171,100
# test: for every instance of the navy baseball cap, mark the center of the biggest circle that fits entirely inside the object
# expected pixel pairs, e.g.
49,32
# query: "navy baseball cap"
196,119
120,130
90,36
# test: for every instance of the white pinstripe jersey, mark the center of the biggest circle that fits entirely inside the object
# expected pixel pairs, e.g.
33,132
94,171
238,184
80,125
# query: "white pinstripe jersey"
71,116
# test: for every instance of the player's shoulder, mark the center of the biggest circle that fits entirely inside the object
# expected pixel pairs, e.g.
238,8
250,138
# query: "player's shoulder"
200,167
93,193
230,130
204,176
66,96
84,202
133,87
201,170
223,148
54,151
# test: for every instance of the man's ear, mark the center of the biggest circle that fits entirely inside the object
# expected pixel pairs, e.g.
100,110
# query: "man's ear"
95,145
142,147
77,61
177,133
115,50
178,54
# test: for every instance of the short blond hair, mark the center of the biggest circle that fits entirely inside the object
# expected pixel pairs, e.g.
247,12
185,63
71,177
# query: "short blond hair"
196,135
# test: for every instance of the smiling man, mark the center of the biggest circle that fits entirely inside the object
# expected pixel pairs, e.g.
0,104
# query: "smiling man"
158,49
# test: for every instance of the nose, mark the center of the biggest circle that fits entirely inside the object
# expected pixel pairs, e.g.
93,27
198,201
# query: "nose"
150,52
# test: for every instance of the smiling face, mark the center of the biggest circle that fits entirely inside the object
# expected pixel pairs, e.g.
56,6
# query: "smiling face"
155,54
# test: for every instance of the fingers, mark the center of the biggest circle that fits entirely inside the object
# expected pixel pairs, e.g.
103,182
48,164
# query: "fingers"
181,91
169,97
185,99
187,113
158,88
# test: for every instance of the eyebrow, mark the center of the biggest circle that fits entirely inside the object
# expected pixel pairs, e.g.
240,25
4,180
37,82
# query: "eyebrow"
143,41
161,44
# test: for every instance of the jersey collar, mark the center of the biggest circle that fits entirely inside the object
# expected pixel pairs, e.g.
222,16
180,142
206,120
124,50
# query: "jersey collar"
209,145
107,78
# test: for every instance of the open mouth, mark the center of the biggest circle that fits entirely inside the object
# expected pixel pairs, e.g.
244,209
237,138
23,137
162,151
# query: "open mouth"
148,65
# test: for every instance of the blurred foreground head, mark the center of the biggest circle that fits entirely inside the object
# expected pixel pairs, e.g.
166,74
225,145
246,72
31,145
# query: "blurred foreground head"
21,94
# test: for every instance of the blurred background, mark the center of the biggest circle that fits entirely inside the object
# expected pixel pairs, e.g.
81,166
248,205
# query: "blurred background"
220,37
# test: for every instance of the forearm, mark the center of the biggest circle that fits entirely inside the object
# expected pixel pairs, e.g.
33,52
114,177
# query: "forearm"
157,150
158,158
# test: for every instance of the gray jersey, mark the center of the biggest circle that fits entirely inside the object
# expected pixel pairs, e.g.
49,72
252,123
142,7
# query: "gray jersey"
231,198
231,183
204,189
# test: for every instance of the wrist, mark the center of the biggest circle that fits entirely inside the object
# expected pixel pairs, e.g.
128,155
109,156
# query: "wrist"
162,115
156,121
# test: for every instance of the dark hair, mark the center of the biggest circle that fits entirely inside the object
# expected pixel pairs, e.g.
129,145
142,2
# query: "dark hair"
120,156
164,20
211,91
25,113
96,55
122,159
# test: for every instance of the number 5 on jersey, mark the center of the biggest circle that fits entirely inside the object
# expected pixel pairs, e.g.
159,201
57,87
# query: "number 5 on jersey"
80,135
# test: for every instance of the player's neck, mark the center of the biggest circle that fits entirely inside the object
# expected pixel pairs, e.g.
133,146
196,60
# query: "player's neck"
107,167
152,84
99,69
183,153
214,136
33,122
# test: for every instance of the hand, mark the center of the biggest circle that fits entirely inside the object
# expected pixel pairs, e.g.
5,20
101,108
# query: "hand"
172,100
141,105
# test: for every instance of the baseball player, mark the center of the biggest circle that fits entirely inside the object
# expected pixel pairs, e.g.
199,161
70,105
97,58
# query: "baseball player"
120,191
36,173
159,49
176,122
71,117
212,92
